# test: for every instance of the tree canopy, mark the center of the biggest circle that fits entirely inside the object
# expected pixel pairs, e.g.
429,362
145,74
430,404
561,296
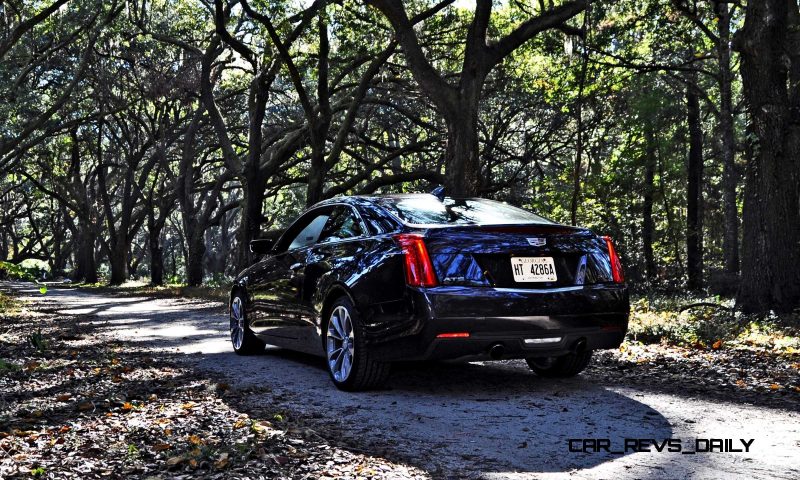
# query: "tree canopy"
155,139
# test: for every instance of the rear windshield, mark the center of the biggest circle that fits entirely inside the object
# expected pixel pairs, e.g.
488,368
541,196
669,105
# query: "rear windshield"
429,210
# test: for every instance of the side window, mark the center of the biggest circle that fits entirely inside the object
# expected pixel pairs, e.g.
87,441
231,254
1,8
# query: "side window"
378,221
342,224
310,233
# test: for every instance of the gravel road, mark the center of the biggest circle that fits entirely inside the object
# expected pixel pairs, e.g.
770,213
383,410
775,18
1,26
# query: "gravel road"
489,420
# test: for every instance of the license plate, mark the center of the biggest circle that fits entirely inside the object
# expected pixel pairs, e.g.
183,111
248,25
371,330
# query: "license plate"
533,269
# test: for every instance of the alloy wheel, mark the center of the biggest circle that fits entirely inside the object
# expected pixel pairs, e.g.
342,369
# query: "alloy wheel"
340,345
237,323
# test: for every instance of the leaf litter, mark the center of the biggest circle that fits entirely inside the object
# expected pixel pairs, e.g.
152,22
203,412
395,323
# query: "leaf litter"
86,407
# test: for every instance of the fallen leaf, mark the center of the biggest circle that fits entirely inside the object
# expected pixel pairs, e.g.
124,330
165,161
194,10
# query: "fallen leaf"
194,440
160,447
85,405
64,429
188,405
717,345
221,462
127,406
774,386
174,461
281,460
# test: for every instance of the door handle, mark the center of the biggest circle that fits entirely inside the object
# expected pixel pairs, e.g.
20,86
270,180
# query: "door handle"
295,267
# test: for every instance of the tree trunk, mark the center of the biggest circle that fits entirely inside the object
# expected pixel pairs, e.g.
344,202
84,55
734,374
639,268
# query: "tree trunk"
86,265
648,227
316,176
58,261
673,232
118,260
253,183
154,229
730,179
770,70
252,216
694,193
579,137
462,157
194,260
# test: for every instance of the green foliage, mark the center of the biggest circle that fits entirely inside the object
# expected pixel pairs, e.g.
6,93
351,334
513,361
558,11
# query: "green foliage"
6,367
133,451
146,70
38,472
38,341
659,319
13,271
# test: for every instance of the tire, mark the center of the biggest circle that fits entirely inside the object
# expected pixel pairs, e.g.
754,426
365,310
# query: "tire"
346,354
243,340
560,367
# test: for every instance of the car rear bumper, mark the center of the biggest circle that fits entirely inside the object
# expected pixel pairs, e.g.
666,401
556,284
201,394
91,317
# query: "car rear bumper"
523,322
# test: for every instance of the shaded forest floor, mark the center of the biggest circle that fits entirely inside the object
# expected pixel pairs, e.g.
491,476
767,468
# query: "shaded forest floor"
697,341
77,404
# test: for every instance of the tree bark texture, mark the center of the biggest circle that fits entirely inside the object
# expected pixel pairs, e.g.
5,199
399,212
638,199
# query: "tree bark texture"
770,53
694,192
730,177
648,226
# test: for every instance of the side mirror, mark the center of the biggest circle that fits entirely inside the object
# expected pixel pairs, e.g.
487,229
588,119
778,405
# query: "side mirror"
262,246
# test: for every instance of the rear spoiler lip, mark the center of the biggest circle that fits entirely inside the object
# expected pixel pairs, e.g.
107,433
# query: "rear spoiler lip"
544,228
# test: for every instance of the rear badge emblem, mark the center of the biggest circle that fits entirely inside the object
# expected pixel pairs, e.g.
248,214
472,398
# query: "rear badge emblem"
537,242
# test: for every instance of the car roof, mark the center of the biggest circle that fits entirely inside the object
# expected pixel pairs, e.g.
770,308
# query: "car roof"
367,199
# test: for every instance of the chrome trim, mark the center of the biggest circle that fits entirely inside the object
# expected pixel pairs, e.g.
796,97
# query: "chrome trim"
539,341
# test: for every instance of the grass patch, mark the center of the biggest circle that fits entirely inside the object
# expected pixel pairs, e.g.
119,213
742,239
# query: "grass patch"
6,367
666,319
8,304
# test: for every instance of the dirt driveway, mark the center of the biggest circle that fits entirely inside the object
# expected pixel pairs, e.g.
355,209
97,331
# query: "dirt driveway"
487,420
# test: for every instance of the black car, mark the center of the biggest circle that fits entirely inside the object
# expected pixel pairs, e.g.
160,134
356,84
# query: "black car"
367,281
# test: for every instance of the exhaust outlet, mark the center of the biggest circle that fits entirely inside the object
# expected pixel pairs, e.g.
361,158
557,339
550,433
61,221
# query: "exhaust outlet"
496,351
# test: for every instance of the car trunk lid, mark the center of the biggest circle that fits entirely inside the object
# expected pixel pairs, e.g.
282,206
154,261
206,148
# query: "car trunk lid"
517,256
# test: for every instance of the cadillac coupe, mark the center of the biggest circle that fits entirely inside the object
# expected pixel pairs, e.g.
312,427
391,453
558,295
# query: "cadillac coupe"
367,281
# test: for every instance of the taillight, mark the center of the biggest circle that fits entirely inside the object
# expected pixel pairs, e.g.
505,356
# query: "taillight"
616,265
419,270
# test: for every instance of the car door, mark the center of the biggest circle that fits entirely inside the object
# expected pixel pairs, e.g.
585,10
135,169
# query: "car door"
333,254
275,290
